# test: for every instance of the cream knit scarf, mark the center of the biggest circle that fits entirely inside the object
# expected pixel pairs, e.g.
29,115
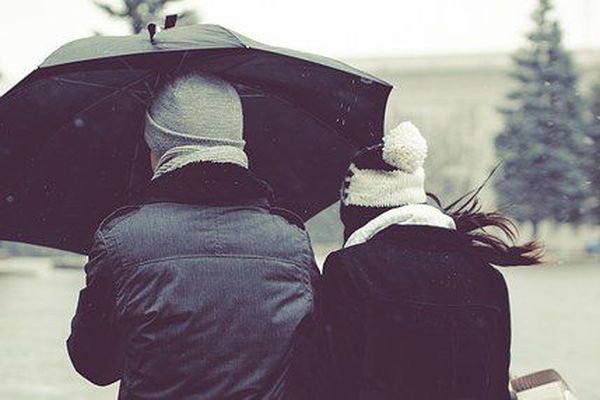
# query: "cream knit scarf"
412,214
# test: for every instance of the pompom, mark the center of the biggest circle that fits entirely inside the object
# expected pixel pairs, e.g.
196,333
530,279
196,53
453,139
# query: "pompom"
405,148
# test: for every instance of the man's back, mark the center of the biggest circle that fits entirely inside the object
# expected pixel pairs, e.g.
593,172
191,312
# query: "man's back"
211,301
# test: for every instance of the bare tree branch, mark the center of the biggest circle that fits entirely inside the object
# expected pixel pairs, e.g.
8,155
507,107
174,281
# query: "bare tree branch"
138,13
110,10
189,17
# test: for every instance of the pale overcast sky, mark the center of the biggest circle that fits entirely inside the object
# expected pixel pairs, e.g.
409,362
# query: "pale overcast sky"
31,29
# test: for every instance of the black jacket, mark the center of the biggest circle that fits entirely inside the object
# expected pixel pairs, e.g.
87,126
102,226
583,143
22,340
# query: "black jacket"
412,314
202,291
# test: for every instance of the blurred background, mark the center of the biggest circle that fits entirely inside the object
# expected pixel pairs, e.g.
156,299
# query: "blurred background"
486,81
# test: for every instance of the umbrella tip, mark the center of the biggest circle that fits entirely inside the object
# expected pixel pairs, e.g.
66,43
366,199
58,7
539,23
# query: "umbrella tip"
152,31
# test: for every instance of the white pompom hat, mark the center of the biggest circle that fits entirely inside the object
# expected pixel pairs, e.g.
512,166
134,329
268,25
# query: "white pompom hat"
391,174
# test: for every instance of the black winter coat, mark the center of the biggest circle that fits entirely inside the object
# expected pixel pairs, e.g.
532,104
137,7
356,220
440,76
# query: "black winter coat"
412,314
202,291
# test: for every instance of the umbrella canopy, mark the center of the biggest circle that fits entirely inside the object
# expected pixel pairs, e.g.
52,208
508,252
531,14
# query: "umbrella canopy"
71,133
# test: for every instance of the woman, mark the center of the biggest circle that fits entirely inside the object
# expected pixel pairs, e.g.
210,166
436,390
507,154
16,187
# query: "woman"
414,308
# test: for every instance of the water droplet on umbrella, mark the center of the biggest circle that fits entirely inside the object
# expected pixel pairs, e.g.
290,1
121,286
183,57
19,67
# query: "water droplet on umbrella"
79,122
10,198
366,81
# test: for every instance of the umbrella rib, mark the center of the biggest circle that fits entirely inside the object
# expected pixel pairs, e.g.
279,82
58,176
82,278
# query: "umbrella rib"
138,98
83,83
315,118
129,67
183,57
92,105
254,56
289,102
95,103
114,92
299,109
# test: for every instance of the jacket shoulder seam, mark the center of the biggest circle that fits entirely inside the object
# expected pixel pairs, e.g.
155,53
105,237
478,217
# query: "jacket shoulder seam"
121,211
207,255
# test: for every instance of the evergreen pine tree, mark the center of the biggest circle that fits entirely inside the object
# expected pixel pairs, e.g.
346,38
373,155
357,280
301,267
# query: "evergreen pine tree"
543,143
139,13
594,160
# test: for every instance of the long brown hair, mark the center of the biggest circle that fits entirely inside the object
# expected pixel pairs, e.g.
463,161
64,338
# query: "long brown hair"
495,249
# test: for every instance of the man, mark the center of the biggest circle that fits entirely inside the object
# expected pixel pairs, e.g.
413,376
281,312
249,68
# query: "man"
202,291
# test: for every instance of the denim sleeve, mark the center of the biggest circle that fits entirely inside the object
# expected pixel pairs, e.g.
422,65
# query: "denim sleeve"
92,345
344,328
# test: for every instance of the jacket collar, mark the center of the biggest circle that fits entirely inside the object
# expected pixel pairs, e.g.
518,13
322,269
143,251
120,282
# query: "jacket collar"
423,237
411,214
209,184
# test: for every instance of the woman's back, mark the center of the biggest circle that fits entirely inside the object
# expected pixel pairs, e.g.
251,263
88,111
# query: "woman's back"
412,314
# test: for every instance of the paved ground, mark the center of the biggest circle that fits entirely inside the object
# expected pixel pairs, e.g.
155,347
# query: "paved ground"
556,323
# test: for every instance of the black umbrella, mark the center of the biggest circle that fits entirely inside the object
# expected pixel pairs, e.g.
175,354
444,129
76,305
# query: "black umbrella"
71,143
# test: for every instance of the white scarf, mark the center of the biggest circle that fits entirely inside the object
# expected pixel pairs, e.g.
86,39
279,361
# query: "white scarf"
412,214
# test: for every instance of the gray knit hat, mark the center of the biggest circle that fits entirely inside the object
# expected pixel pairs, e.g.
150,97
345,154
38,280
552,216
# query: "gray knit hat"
194,118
